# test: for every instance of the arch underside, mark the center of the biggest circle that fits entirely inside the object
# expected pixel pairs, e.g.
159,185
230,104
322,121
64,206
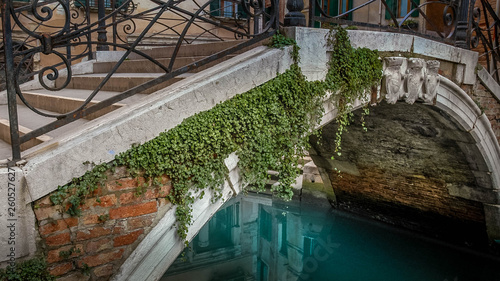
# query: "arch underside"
429,168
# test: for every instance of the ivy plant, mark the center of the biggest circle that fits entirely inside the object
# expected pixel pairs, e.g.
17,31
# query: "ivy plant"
351,73
30,270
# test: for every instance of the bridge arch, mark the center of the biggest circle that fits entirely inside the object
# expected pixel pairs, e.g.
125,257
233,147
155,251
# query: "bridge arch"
478,147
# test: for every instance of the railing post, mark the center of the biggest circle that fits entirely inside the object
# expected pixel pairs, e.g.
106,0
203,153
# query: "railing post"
312,10
295,16
9,75
257,21
101,32
463,26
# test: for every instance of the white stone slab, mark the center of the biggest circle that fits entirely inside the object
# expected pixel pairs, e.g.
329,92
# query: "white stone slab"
17,231
490,83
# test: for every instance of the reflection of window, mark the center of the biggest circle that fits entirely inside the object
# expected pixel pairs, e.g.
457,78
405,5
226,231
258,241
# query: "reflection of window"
265,224
282,237
400,8
226,9
217,233
308,246
263,271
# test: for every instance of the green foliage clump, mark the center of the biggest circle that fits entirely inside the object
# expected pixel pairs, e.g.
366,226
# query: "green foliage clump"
351,73
66,254
280,41
30,270
79,188
267,127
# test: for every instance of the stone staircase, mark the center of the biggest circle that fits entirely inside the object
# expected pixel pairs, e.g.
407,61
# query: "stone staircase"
134,71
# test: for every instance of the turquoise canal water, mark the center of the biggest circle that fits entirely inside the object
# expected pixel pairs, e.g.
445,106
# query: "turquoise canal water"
255,238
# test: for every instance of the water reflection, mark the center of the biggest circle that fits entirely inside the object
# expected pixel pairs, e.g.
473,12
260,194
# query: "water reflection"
255,238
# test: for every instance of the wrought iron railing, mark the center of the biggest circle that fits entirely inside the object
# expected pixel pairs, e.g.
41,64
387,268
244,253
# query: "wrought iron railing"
469,24
485,32
442,20
70,30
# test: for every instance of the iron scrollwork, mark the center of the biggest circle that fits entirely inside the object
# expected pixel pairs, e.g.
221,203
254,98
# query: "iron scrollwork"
484,36
408,21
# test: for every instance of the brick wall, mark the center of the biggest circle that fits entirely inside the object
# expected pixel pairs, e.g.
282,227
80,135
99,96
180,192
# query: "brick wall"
105,234
489,105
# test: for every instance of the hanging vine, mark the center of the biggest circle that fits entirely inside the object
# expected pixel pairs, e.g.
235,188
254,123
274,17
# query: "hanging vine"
351,73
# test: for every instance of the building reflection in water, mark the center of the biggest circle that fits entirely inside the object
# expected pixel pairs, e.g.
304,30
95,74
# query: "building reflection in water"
255,238
250,238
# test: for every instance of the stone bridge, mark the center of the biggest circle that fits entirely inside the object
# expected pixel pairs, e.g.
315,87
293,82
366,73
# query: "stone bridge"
138,240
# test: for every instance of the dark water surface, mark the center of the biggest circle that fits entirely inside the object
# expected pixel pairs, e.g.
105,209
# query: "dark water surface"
255,238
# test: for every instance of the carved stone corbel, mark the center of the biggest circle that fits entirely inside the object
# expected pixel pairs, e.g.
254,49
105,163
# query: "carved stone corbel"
431,81
393,79
414,79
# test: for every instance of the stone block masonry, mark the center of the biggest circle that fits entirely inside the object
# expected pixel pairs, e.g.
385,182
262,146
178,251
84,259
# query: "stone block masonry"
113,221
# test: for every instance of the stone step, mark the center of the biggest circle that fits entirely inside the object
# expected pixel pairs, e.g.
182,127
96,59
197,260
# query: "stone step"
84,94
5,135
146,66
29,119
191,50
119,82
5,150
62,104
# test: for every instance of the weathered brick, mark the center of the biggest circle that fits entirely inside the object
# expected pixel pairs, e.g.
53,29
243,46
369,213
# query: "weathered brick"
58,239
99,245
133,210
165,190
130,197
95,218
106,201
140,222
101,258
47,212
120,227
127,238
97,191
61,269
158,192
163,202
124,184
57,225
91,219
104,270
164,179
44,202
92,233
55,256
